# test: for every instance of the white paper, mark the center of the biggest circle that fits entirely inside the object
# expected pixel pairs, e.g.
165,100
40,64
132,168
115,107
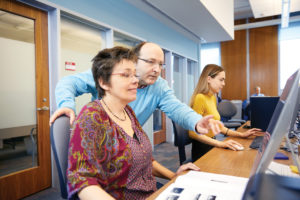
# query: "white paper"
202,185
280,169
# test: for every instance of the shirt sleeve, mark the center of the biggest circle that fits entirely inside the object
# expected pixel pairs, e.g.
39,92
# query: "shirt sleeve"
179,112
72,86
84,147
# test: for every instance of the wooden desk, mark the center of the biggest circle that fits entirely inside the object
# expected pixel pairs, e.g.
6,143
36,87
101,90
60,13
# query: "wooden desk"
225,161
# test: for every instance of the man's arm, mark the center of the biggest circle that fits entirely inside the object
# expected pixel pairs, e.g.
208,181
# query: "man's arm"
70,87
176,110
182,114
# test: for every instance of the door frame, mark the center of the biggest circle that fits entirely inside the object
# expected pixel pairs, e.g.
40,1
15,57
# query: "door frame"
160,135
29,181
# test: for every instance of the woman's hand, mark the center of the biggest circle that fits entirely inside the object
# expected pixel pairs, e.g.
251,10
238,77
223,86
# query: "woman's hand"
253,131
188,166
231,144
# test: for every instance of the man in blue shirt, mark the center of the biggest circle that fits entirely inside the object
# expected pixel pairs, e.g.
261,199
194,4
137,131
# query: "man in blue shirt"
257,92
153,93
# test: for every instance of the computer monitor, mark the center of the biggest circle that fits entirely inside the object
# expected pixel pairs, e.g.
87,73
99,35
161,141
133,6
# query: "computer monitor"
262,109
295,114
279,125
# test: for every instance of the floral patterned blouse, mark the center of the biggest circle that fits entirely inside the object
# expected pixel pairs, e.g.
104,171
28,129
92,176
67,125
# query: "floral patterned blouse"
101,153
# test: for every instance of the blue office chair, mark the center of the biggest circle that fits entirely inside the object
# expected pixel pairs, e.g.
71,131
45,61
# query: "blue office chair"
181,139
60,136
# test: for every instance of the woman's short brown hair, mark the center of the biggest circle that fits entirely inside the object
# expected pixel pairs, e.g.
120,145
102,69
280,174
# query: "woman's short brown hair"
104,63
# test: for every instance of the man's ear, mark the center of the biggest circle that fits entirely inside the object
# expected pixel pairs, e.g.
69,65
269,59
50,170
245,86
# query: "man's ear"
102,84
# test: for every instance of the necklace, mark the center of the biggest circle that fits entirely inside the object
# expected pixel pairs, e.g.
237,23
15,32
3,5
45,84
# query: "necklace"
114,113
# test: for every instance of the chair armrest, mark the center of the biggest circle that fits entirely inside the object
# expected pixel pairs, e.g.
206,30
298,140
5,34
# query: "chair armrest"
237,120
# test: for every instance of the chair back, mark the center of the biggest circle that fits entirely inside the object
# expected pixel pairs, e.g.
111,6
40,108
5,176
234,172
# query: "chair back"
227,109
60,136
181,139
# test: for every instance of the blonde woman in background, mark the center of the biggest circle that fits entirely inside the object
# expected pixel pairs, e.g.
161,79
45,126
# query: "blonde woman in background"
204,102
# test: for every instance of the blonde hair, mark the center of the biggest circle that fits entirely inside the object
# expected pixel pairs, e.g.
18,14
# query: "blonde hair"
202,87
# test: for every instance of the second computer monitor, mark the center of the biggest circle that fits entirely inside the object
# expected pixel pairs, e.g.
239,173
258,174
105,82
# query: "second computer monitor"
262,109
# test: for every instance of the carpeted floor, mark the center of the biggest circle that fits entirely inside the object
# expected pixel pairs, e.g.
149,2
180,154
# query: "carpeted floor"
165,153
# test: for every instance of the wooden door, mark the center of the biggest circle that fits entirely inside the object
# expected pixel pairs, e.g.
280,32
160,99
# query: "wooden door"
21,183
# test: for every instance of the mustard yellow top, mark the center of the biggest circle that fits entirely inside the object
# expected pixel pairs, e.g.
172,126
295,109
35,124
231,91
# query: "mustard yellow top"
204,105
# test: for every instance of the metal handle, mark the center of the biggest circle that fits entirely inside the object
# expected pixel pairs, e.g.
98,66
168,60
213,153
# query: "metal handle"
43,108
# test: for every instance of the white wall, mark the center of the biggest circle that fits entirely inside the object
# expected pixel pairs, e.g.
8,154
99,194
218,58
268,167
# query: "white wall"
17,84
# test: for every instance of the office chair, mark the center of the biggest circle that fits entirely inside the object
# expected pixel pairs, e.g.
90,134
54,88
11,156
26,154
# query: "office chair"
227,110
60,136
181,139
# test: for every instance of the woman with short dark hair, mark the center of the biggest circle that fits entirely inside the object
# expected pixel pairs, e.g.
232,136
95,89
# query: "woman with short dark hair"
110,156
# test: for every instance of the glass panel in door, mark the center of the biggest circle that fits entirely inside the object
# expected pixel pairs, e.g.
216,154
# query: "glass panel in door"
18,124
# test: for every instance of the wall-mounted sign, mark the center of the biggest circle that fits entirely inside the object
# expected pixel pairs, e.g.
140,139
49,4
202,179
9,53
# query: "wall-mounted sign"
71,66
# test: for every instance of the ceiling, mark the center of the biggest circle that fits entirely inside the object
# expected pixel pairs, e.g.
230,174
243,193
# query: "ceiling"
202,27
178,15
267,8
242,9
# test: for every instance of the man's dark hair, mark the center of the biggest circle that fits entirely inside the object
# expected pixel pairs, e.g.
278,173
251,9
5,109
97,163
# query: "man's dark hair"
104,63
137,48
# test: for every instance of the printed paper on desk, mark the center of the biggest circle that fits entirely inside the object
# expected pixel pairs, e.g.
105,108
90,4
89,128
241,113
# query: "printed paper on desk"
281,169
202,185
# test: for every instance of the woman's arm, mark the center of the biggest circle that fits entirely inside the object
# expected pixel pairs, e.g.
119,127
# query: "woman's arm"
205,139
163,172
231,144
94,192
229,132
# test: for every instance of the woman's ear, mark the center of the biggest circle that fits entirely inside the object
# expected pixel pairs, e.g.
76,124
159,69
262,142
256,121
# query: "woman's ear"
103,85
208,79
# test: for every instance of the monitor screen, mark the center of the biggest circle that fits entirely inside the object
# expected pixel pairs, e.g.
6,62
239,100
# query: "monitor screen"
295,114
279,125
262,109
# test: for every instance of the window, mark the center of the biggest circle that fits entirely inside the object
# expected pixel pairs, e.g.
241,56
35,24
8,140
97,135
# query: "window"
178,77
210,54
289,48
192,78
80,43
124,40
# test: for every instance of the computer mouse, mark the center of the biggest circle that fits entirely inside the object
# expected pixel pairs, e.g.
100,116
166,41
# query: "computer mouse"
239,148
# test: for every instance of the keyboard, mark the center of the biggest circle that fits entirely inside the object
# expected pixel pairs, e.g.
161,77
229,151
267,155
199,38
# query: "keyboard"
256,142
